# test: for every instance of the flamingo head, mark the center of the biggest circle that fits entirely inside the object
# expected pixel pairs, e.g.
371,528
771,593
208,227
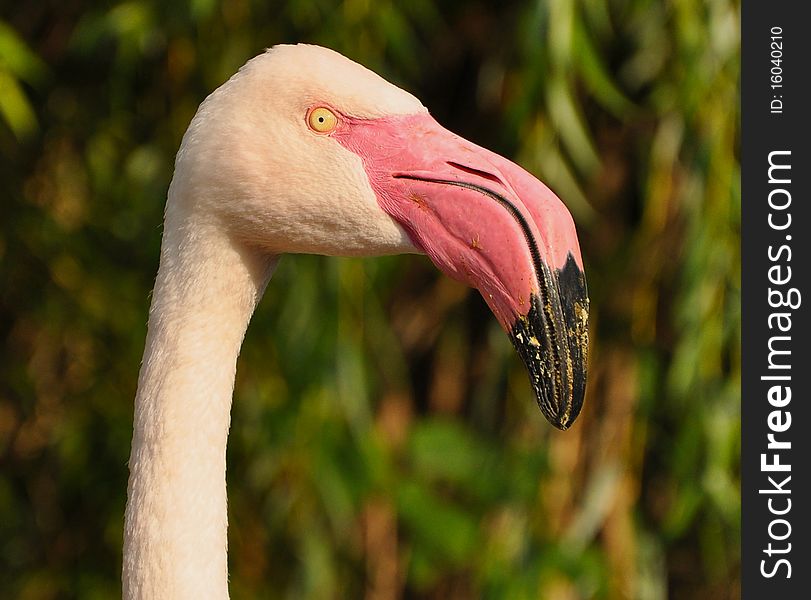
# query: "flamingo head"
306,151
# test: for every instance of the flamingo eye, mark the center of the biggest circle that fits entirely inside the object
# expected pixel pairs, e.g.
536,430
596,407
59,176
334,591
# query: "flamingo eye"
322,120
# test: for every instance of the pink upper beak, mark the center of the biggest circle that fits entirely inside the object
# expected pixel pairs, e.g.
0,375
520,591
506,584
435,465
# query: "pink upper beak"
485,221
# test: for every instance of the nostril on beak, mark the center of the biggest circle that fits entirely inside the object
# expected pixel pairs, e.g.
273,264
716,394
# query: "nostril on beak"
477,173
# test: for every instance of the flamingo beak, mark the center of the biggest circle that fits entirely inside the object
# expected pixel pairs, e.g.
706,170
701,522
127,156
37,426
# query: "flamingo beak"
485,221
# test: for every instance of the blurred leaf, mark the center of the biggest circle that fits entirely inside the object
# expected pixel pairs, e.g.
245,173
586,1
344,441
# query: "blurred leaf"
440,531
17,58
14,106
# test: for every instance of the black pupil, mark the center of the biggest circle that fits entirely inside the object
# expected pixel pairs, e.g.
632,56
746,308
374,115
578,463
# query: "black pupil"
320,119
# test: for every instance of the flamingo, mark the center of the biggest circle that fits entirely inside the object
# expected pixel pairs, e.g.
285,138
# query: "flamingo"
305,151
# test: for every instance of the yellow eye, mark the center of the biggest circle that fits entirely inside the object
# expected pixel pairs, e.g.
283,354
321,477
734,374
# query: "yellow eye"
322,120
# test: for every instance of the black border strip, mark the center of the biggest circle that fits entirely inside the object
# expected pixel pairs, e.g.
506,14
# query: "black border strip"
775,119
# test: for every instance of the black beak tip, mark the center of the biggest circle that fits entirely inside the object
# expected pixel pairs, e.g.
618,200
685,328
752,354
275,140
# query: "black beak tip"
563,415
559,403
552,340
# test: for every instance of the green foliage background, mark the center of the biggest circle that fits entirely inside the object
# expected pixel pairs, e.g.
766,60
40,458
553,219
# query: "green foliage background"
385,443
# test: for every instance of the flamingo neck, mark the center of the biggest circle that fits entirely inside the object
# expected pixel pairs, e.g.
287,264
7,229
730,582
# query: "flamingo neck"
175,538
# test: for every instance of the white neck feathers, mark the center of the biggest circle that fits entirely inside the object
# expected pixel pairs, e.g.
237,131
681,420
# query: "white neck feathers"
175,542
